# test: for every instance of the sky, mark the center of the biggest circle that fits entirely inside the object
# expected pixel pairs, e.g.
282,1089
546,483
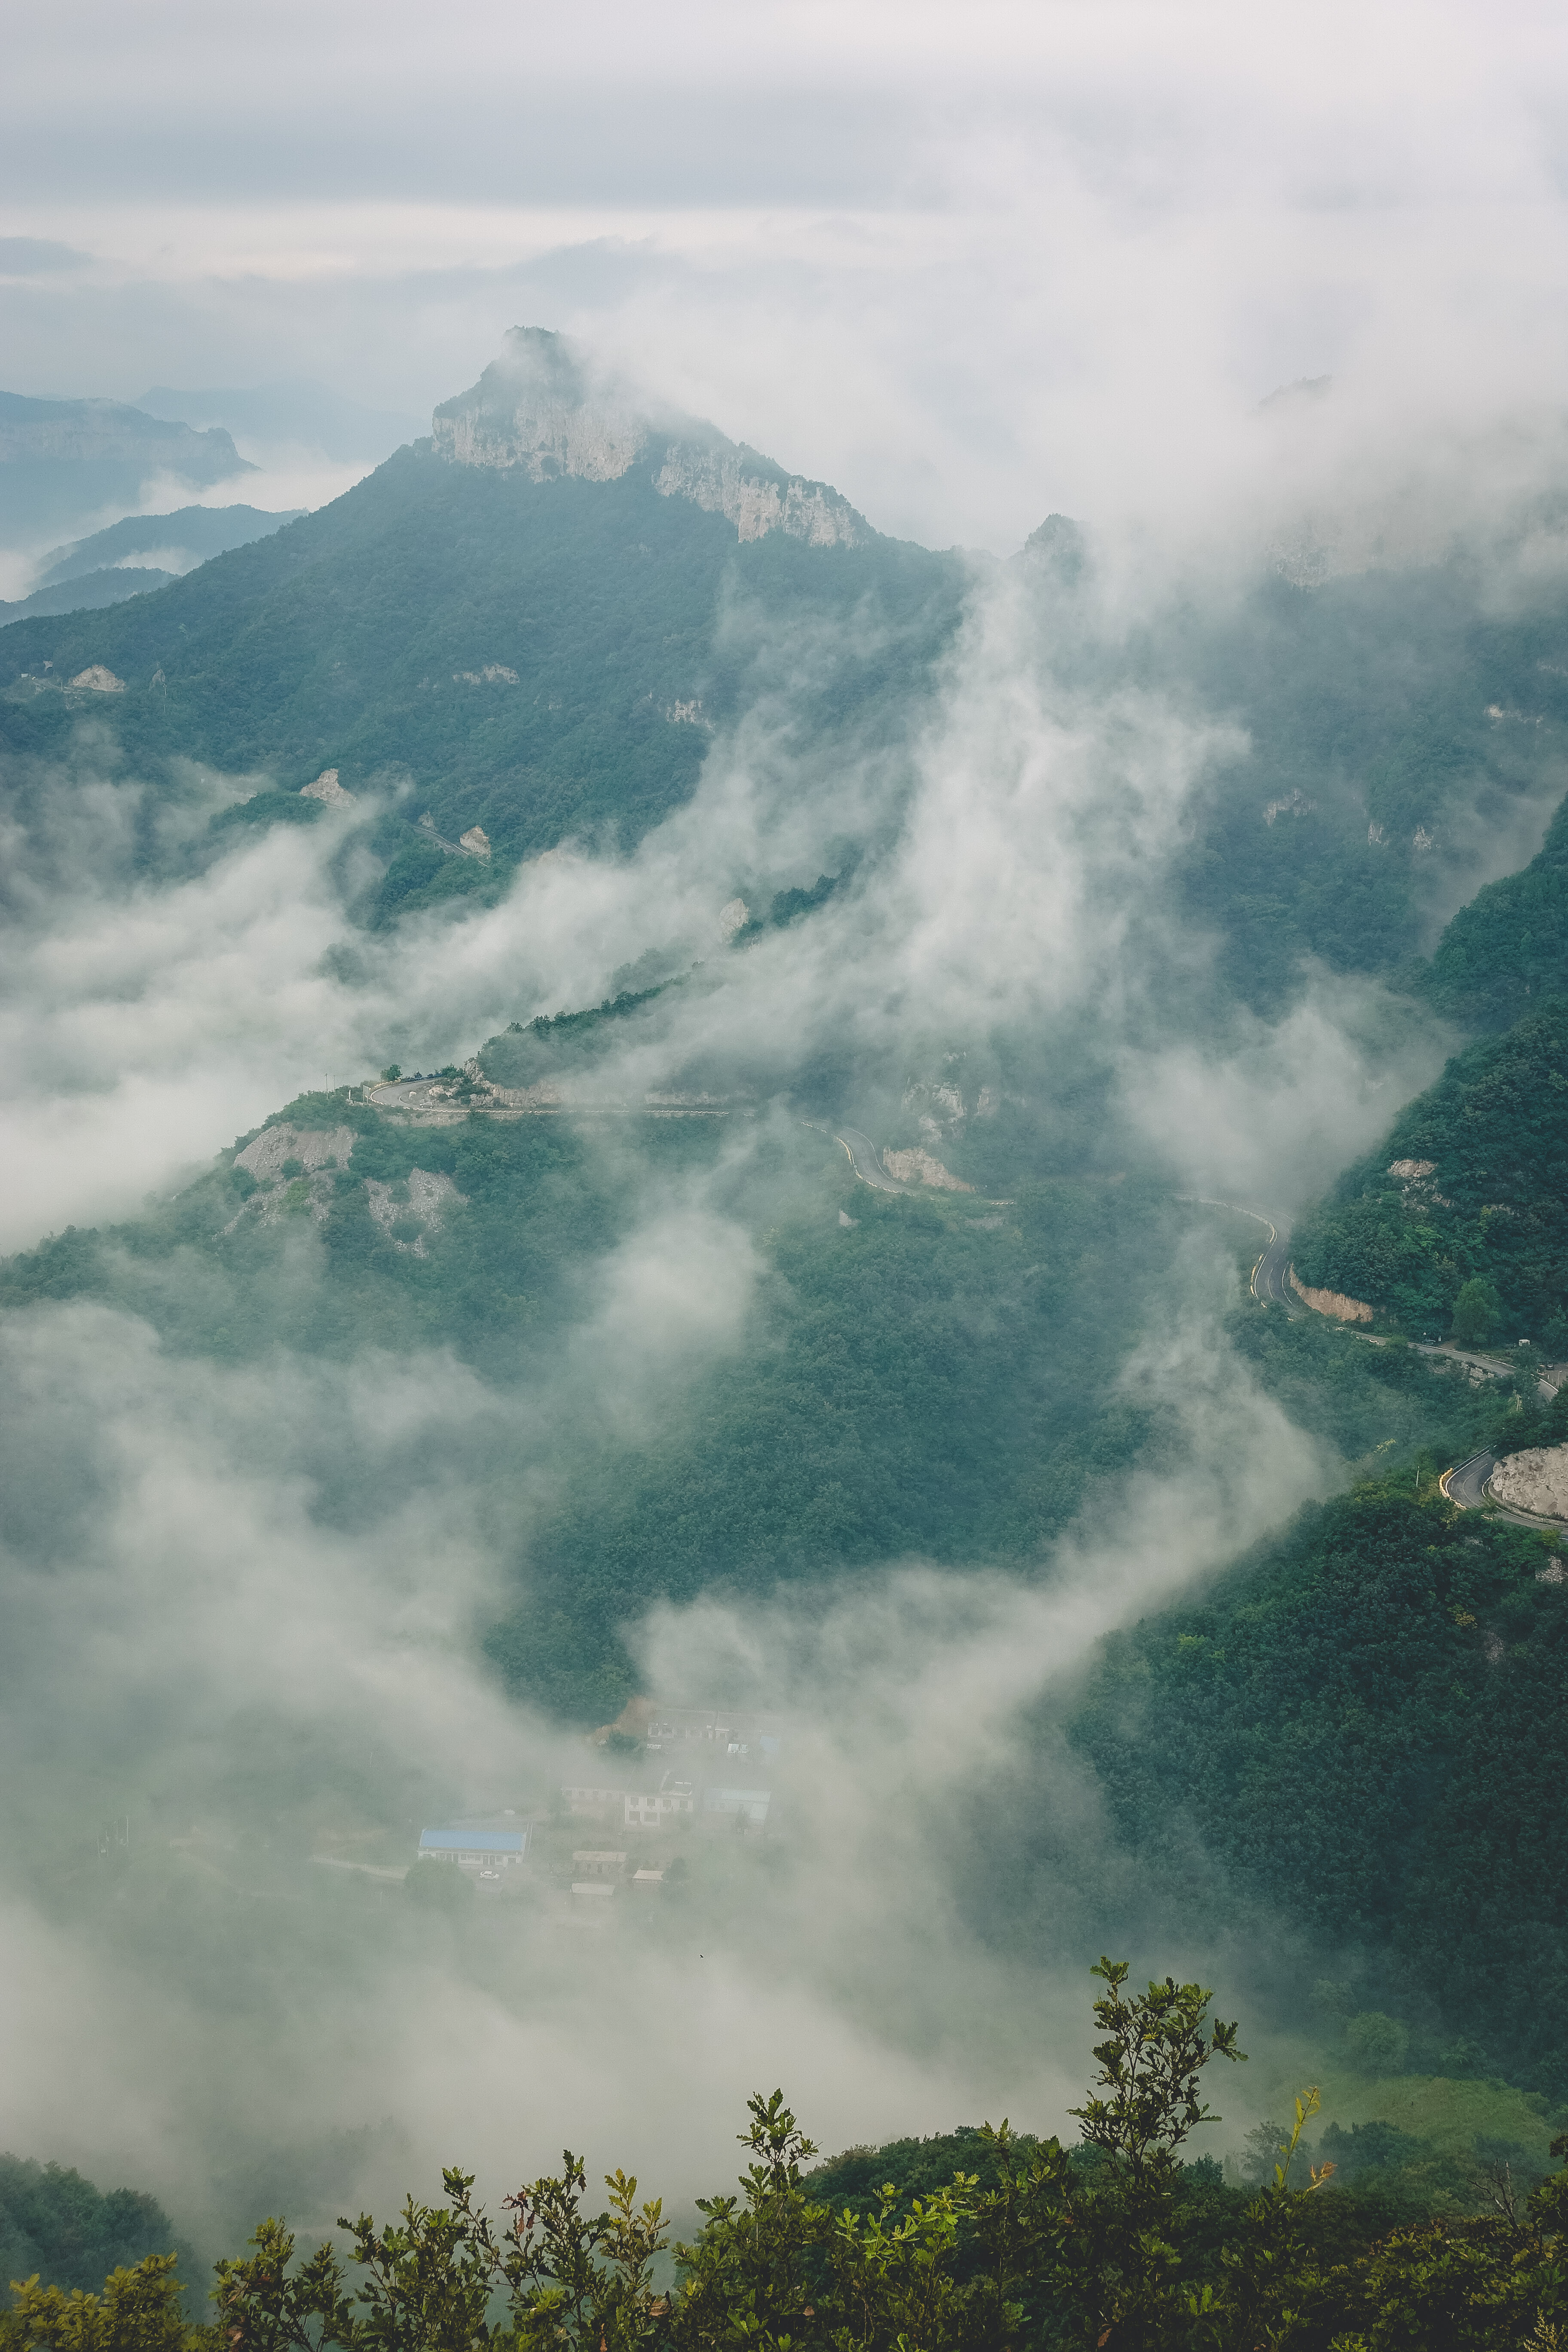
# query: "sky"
972,265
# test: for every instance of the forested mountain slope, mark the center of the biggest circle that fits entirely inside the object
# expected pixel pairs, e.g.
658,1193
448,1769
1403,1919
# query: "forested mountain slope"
57,2225
534,650
1509,948
1357,1739
1467,1187
541,621
1393,722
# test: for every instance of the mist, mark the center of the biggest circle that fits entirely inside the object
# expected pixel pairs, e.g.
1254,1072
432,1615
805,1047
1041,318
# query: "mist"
248,1602
1247,310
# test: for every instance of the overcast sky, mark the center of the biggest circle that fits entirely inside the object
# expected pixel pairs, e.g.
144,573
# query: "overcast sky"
970,263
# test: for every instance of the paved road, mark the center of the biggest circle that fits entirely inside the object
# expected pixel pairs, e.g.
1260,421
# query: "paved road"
1268,1284
1466,1483
412,1093
863,1158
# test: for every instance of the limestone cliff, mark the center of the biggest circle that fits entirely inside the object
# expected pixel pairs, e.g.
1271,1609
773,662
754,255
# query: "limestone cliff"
542,408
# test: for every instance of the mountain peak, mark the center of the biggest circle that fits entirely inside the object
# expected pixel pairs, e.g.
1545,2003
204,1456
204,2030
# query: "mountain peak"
546,406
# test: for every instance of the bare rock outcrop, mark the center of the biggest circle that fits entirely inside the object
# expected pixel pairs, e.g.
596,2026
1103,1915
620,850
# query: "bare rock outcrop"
327,788
430,1195
1534,1481
918,1167
97,679
543,409
313,1147
1331,1302
312,1156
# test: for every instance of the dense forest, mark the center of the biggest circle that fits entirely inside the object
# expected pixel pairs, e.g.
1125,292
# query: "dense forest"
536,659
57,2225
557,659
1360,1733
1507,949
1463,1198
1127,2240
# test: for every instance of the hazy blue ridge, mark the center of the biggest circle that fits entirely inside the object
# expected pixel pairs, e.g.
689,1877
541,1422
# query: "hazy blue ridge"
89,591
65,459
198,531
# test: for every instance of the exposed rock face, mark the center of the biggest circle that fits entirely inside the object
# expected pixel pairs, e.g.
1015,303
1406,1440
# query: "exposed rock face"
98,680
1332,1302
732,915
312,1147
475,841
539,408
1410,1172
1535,1480
542,408
723,480
319,1150
918,1167
429,1197
327,788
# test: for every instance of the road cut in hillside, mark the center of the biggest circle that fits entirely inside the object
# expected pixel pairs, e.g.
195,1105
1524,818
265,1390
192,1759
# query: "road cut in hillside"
1535,1480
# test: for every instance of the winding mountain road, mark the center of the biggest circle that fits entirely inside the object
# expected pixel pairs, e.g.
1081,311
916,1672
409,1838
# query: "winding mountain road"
1466,1483
1269,1275
1268,1284
863,1157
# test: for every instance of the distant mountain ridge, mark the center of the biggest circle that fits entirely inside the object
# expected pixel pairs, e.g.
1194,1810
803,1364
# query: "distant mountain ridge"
88,429
88,592
304,415
197,531
64,459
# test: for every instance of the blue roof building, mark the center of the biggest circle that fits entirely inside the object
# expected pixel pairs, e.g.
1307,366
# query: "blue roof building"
485,1851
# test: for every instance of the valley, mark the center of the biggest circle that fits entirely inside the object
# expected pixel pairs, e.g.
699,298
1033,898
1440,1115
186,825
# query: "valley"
780,1254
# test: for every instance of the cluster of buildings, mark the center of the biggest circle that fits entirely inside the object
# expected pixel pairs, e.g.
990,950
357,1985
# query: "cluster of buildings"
723,1771
719,1773
596,1875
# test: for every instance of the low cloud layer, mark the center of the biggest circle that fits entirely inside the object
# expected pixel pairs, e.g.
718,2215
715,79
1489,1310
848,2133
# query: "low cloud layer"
1048,259
246,1605
246,1627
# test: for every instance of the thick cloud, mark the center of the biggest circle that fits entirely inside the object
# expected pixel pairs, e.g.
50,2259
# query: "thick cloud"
248,1625
970,270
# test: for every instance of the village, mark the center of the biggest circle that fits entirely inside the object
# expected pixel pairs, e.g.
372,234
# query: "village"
622,1827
